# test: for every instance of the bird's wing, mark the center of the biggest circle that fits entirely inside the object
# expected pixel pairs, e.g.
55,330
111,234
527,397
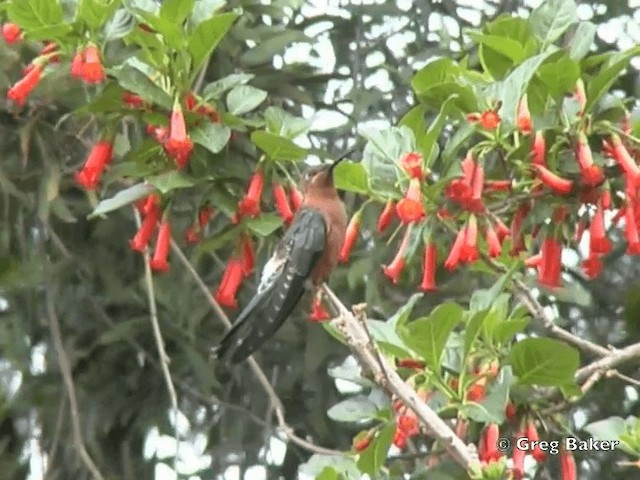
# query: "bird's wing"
281,285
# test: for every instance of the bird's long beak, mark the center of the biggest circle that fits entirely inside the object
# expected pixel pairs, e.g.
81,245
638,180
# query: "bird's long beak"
333,165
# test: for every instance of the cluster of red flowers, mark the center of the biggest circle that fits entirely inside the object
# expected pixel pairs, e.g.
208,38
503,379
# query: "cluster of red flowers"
467,196
239,267
406,424
87,66
149,207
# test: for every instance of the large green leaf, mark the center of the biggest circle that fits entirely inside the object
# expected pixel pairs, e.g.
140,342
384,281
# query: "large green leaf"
375,455
601,83
176,10
276,147
217,88
352,177
552,18
123,197
284,124
582,40
40,19
138,82
244,98
428,336
95,13
206,36
265,224
544,361
212,136
354,409
172,180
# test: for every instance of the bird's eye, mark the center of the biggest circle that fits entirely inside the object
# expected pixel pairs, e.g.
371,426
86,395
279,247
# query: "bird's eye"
308,175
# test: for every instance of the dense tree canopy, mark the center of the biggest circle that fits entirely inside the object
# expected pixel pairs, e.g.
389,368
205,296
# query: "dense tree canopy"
150,152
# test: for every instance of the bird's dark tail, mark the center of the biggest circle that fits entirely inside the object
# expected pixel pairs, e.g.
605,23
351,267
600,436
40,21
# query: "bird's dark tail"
260,320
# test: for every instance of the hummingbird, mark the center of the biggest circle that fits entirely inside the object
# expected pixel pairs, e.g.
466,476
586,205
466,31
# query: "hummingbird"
302,260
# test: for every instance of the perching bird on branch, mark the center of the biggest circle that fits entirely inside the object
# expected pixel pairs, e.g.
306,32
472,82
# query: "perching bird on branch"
303,259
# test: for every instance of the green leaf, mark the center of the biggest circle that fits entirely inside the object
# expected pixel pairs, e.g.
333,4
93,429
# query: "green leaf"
428,141
601,83
582,40
265,224
544,361
491,409
212,136
552,18
138,82
94,13
472,330
510,90
508,47
504,331
482,299
372,459
351,373
560,77
204,9
217,88
172,180
176,10
123,197
401,317
439,80
244,98
428,336
172,34
219,239
206,36
277,148
343,465
284,124
414,120
40,19
354,409
381,154
266,49
351,177
386,337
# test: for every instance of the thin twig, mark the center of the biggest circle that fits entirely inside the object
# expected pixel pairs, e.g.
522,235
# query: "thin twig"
157,334
65,370
610,361
56,434
625,378
255,368
386,377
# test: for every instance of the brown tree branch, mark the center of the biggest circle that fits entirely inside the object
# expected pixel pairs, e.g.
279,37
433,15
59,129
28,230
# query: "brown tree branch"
67,377
386,377
276,403
612,360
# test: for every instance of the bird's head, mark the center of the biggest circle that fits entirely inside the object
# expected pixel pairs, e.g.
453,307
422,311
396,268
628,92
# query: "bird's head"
319,177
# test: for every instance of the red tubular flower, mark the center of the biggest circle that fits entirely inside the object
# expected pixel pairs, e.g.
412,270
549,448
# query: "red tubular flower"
132,100
247,258
453,259
501,229
92,69
22,88
518,458
408,423
51,47
282,203
296,197
411,363
568,467
469,252
399,439
551,264
230,283
395,268
554,182
412,164
11,32
477,183
191,235
490,119
591,174
631,229
386,217
539,150
488,448
361,444
598,241
318,312
350,238
517,239
523,118
497,185
429,268
605,199
77,64
151,203
179,146
532,434
467,191
142,238
493,242
204,215
98,159
580,95
620,153
410,208
250,203
592,266
161,253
